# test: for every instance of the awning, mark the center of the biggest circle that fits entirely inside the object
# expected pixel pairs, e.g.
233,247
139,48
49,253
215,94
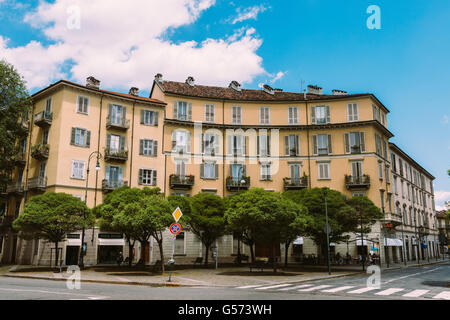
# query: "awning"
358,242
111,242
299,240
73,242
392,242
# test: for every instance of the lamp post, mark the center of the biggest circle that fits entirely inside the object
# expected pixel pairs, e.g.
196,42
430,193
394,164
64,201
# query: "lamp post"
242,181
327,227
362,243
403,240
97,168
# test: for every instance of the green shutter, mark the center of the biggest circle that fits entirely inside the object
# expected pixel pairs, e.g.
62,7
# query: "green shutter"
124,114
286,145
314,143
109,110
122,143
142,116
347,142
155,118
363,142
154,177
88,138
202,170
155,148
313,115
328,114
297,144
108,141
189,111
216,171
330,148
175,110
140,177
72,137
141,147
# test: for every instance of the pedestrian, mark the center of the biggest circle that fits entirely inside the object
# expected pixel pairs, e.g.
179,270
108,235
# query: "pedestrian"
119,258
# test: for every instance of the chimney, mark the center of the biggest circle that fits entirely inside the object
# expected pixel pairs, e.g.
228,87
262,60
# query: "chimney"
235,86
190,81
314,90
92,83
268,89
134,91
159,77
278,90
339,92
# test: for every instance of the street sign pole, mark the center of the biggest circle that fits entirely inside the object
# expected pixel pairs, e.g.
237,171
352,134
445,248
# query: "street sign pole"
328,235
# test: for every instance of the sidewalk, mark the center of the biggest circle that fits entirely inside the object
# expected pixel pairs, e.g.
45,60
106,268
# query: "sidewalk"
222,277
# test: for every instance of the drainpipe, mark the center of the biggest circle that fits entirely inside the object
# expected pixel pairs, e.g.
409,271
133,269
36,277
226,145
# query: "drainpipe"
98,150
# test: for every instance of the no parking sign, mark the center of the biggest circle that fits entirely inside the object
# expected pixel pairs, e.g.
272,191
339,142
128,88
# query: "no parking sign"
175,228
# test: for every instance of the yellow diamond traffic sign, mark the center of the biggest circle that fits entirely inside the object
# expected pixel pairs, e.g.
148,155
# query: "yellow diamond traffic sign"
177,214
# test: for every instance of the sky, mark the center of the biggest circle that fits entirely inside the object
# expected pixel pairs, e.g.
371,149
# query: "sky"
400,52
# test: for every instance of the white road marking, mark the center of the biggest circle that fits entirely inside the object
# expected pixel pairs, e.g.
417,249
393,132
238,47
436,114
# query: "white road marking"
414,274
314,288
416,293
443,295
273,287
389,291
252,286
362,290
338,289
296,287
53,292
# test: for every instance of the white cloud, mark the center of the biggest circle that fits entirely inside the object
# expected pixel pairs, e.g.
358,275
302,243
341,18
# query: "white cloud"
442,196
444,119
278,76
249,13
125,44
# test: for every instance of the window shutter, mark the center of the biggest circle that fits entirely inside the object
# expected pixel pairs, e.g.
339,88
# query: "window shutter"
216,144
313,115
108,168
230,168
142,116
188,142
108,141
174,139
72,137
330,149
155,148
363,142
120,174
88,138
216,171
109,110
297,145
258,148
141,147
268,144
140,176
189,111
328,114
229,145
124,114
350,112
175,109
244,145
154,177
155,118
347,142
202,143
314,142
286,145
202,170
244,170
74,168
122,143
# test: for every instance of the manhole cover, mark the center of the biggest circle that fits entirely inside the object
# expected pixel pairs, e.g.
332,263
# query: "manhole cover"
437,283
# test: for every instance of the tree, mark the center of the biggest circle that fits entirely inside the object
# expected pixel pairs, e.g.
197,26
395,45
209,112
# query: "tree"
206,219
342,216
265,217
117,214
51,216
15,105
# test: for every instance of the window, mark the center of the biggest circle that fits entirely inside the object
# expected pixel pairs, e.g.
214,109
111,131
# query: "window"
236,145
238,171
78,169
376,113
389,198
380,170
357,168
388,174
180,167
148,147
45,137
292,145
395,185
320,114
42,170
403,188
180,244
295,171
358,194
147,177
409,191
264,115
324,170
385,149
352,112
382,200
80,137
82,105
263,145
383,118
114,175
209,112
293,115
266,172
378,144
115,143
48,105
355,142
236,115
117,114
393,163
182,110
210,143
149,118
181,141
322,144
209,170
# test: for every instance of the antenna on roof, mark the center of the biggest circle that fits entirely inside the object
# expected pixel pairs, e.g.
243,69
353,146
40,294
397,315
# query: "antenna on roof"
302,82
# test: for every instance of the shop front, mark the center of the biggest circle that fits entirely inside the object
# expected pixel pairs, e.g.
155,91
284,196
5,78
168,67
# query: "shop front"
109,248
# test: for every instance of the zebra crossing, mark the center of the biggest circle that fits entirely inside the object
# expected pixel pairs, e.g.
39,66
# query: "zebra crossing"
351,290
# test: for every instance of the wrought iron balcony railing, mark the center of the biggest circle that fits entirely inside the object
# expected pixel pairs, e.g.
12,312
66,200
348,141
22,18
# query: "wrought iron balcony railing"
43,119
15,187
122,124
40,151
38,184
177,181
237,184
110,185
116,155
295,183
357,182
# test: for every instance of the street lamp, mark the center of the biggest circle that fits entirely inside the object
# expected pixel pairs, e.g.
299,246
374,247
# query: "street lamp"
327,227
242,181
97,168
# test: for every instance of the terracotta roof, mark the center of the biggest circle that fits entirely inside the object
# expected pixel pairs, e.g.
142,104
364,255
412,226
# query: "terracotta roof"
119,94
441,214
210,92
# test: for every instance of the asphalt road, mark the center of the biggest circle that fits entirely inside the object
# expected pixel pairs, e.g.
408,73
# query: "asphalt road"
427,282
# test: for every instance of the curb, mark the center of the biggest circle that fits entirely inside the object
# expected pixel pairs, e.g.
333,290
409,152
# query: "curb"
415,265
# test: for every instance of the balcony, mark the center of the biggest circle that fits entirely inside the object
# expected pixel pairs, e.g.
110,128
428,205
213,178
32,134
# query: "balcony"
116,155
357,182
40,151
15,188
111,185
43,119
37,184
177,181
392,219
238,184
295,183
122,125
20,159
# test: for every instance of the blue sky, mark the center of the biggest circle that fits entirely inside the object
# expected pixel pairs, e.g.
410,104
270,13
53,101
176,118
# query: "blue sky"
324,42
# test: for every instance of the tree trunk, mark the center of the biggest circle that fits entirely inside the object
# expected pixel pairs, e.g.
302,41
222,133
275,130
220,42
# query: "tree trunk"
252,253
206,254
56,254
130,253
161,253
286,251
274,263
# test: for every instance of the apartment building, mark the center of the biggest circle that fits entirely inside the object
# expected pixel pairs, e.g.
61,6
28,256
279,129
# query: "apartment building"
412,227
188,138
444,231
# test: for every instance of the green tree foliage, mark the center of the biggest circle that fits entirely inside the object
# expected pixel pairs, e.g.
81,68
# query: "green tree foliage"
51,216
265,217
206,219
15,105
